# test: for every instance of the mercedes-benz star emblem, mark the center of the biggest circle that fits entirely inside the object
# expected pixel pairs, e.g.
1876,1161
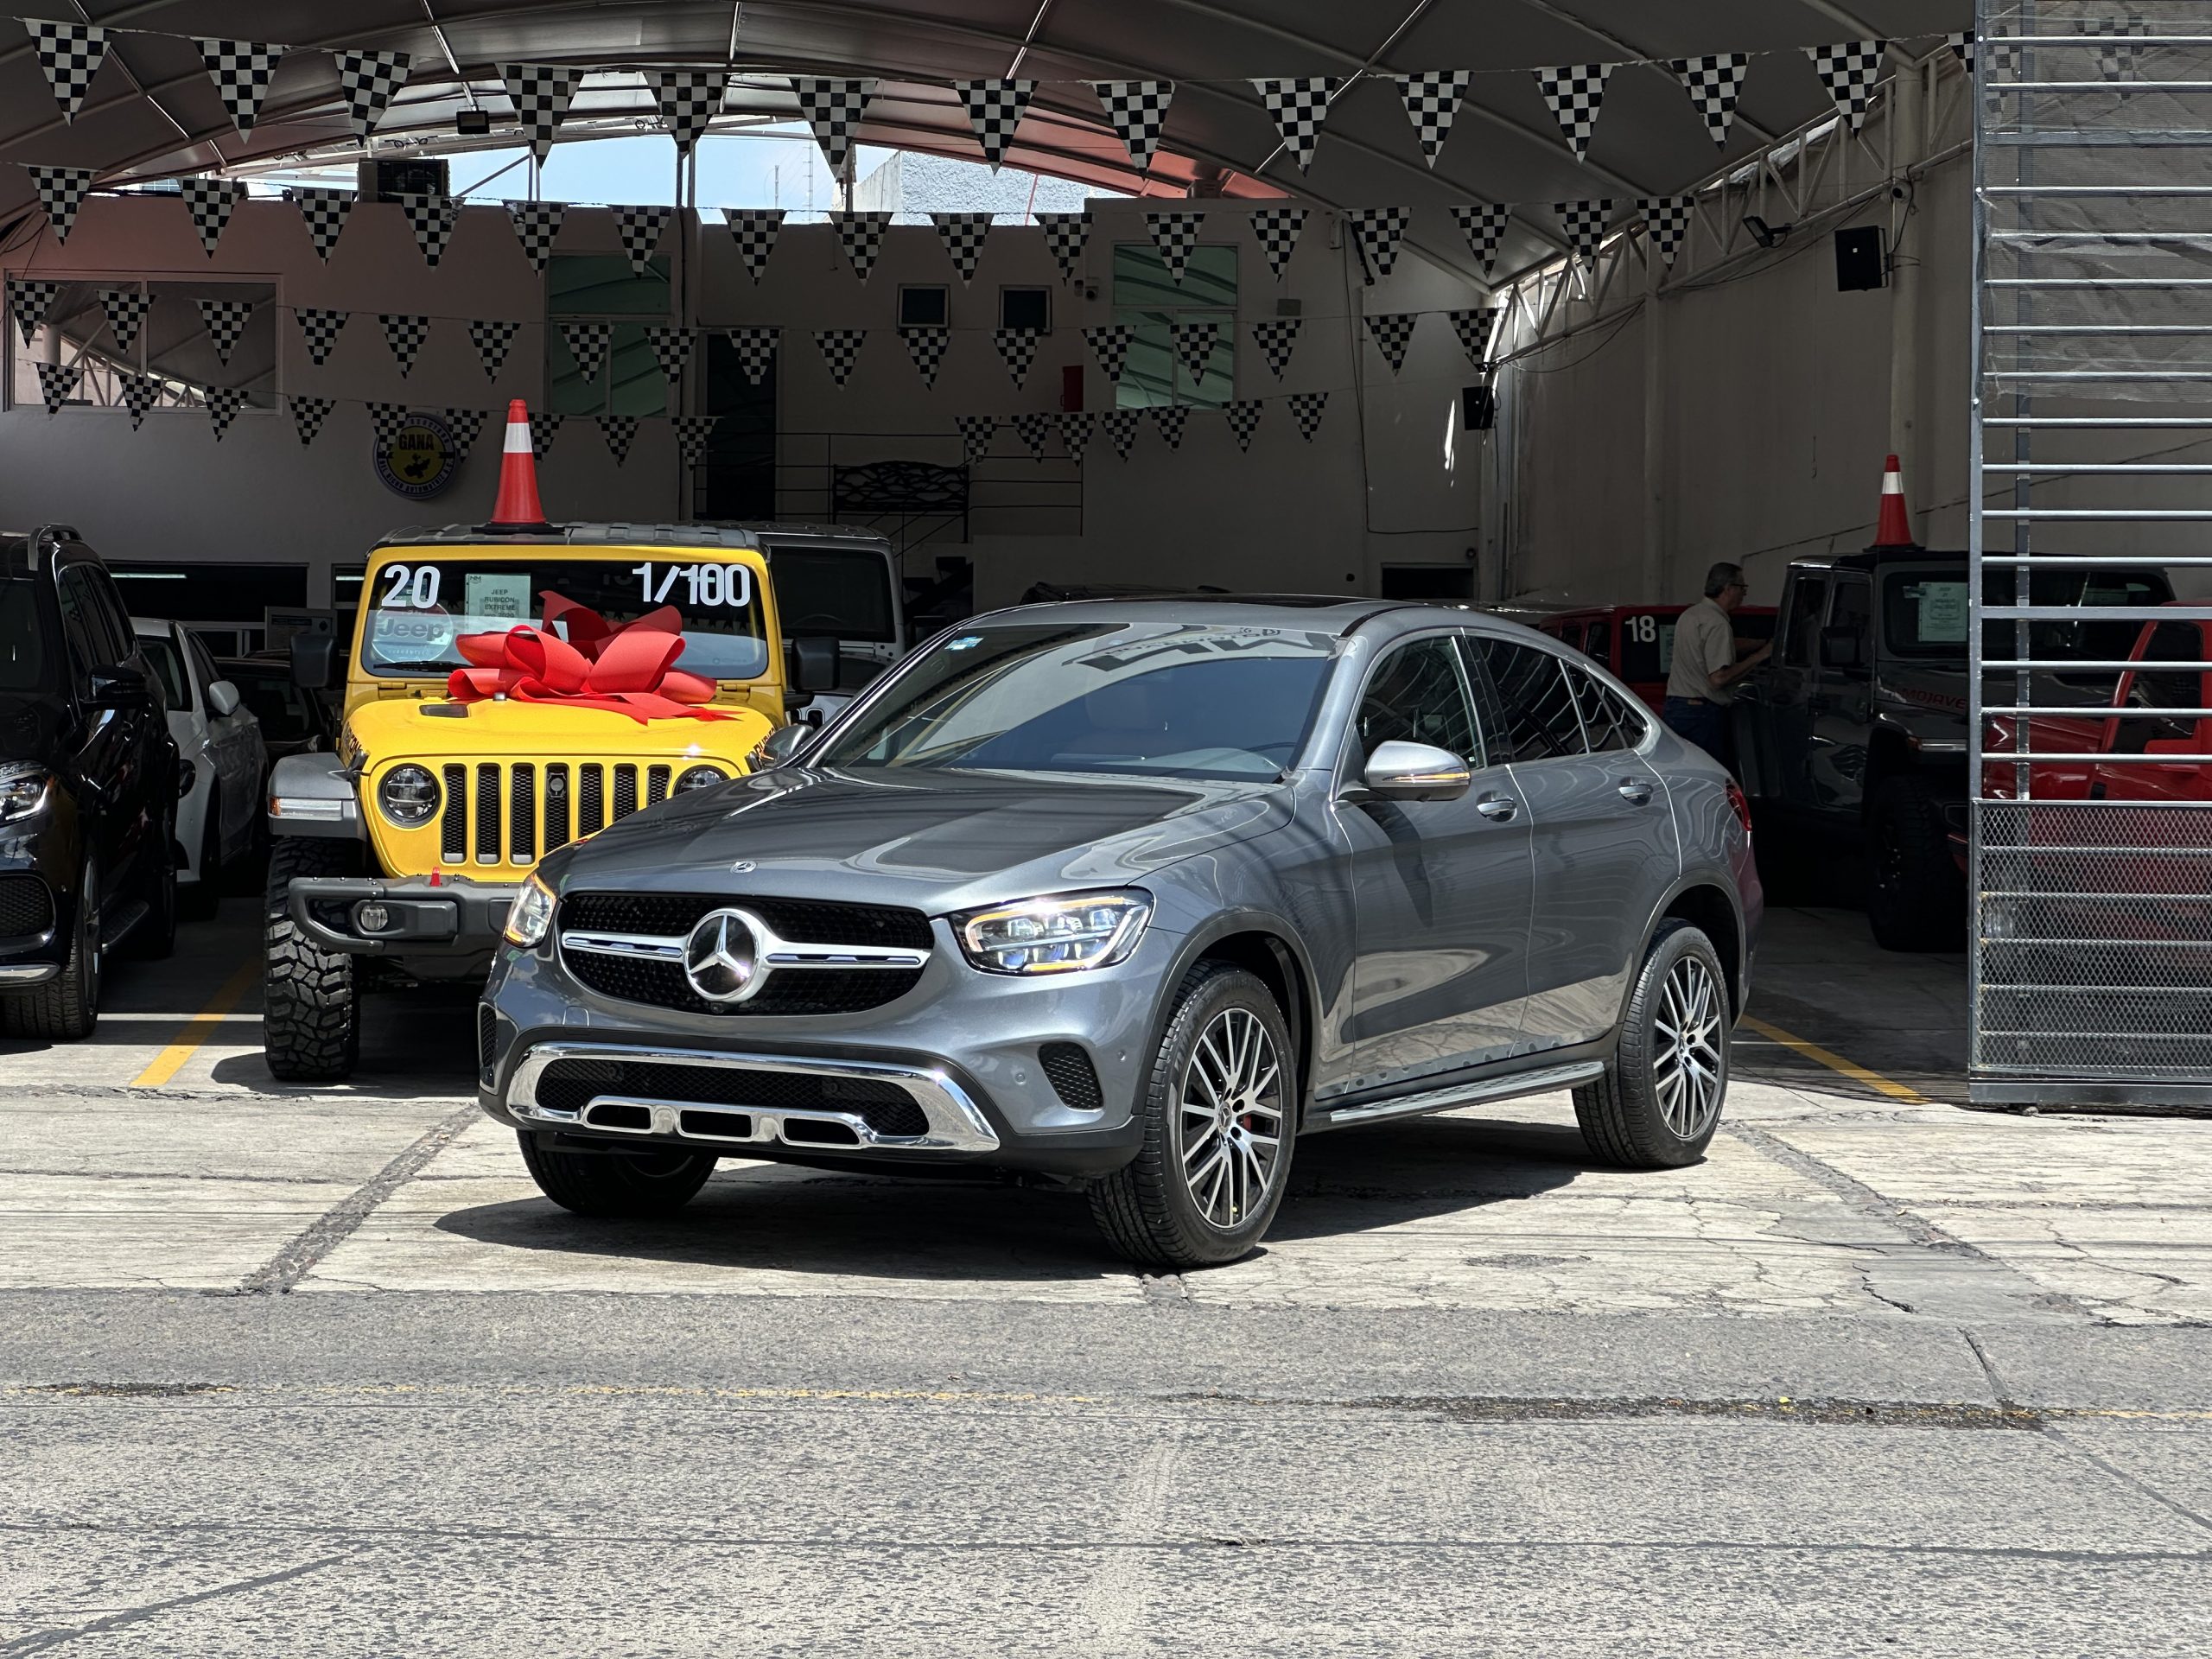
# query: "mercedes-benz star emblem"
721,956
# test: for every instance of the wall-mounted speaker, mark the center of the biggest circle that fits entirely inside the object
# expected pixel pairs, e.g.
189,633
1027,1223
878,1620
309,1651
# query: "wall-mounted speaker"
1478,408
1858,261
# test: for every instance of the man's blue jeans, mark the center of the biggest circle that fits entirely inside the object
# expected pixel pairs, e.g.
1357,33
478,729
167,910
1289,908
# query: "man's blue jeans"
1701,722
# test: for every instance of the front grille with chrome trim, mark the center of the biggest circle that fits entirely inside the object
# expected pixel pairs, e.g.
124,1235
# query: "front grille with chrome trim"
511,812
824,921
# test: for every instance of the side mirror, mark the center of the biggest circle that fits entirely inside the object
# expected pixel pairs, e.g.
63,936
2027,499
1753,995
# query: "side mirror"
1844,648
223,699
121,687
314,662
815,666
781,747
1416,772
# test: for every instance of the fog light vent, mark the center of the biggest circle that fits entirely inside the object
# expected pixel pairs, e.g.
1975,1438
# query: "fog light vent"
1074,1079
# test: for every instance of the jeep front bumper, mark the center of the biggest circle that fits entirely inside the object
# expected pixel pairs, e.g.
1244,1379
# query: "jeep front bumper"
415,916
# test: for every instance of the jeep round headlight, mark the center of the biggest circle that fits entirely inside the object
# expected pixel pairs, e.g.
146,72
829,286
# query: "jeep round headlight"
698,777
409,795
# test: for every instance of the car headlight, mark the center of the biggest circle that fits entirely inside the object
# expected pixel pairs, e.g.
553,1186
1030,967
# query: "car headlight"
409,795
25,789
532,918
698,777
1062,935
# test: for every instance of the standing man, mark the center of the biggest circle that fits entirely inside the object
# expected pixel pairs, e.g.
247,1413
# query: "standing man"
1706,665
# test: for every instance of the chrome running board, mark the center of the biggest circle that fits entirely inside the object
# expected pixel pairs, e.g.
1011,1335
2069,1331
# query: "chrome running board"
1467,1094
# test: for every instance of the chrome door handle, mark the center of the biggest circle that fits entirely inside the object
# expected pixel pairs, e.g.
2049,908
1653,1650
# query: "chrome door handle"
1635,792
1498,808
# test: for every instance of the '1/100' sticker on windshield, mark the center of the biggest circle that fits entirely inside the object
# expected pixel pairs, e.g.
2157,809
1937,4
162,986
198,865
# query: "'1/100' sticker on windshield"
704,584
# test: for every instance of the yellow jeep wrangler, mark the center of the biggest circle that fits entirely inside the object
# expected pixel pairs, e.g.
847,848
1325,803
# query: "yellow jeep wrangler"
511,688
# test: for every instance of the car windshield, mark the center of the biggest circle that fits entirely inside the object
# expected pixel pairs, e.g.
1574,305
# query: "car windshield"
22,637
160,655
418,610
1183,701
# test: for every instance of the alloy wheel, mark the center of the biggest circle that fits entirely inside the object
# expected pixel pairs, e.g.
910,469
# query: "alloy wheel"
1229,1119
1686,1064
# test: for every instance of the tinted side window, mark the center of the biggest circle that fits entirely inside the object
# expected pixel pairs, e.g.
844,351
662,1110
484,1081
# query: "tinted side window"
1808,597
1534,702
1853,610
1605,721
1599,646
88,646
1418,694
117,612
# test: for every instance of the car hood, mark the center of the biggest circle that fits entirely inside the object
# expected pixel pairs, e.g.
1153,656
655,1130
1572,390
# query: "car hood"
940,841
30,728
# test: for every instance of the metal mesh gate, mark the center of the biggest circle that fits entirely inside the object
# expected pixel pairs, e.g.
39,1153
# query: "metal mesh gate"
2091,850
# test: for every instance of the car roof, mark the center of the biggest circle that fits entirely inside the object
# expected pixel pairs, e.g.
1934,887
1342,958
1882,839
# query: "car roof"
1326,613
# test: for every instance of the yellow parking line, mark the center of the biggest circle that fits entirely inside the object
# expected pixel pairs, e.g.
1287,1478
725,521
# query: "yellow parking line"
205,1024
1814,1052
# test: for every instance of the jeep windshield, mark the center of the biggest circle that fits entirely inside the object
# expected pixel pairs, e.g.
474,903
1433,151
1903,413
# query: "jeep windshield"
417,610
1172,701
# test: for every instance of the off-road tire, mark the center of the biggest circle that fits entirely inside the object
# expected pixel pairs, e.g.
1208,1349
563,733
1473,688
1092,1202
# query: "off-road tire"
201,900
1915,898
310,1004
1146,1209
1623,1118
616,1185
67,1006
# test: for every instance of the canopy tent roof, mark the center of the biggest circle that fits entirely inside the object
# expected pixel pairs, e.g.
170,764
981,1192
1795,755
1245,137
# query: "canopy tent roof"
152,110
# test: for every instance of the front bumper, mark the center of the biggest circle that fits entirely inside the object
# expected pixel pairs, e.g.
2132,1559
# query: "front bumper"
451,917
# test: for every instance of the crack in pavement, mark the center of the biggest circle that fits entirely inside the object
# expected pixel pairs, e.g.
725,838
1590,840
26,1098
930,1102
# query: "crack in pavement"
39,1641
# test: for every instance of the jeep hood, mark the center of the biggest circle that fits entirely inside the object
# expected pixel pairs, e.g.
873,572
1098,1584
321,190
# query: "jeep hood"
398,728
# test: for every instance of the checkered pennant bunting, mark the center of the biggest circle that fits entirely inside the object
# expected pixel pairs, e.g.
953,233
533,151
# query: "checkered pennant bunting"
963,235
1278,230
861,237
672,349
61,192
1175,234
126,308
1121,427
1432,98
1297,107
1585,224
1170,422
835,109
1378,231
320,328
690,100
32,301
754,230
1961,44
2115,62
1194,346
1849,70
1243,420
55,381
70,54
1065,235
1393,332
1110,344
586,343
210,202
432,218
1473,327
536,224
225,321
467,425
1075,432
619,431
384,420
325,213
370,80
405,335
925,344
1137,109
975,432
995,109
1667,221
1017,350
141,393
241,71
1308,407
308,416
541,94
1034,430
1714,83
1276,341
543,429
840,349
1573,93
491,338
223,405
641,230
756,350
1482,226
692,432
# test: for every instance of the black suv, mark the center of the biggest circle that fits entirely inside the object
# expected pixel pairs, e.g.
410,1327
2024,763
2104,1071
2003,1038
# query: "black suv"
88,786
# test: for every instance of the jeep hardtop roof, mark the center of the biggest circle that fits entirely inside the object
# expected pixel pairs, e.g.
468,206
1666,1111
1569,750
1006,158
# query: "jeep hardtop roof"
603,535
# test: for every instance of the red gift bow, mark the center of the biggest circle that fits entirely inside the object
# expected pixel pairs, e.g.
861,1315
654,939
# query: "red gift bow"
626,669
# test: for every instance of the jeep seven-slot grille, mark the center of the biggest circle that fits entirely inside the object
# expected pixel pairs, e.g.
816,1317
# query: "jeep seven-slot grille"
571,1085
502,812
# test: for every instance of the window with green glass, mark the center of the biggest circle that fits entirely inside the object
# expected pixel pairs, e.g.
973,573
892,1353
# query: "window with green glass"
601,288
1151,302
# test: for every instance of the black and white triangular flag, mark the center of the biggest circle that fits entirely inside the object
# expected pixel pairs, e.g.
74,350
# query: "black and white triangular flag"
536,224
1297,106
840,349
692,432
1175,234
975,432
1961,45
1278,230
1393,331
641,230
384,422
1170,419
962,235
31,301
1849,69
225,321
141,394
241,71
619,431
1017,350
126,307
224,403
432,218
1473,327
1035,427
1482,225
586,343
543,429
1065,235
925,344
756,350
70,54
1573,93
1308,407
1195,343
55,381
541,93
835,110
995,109
210,202
1667,221
1120,427
1585,224
1243,420
1714,84
467,425
492,337
405,335
1110,344
690,100
320,329
369,81
1137,111
1075,432
754,230
308,416
1276,341
1433,97
61,192
671,347
861,237
325,214
1378,231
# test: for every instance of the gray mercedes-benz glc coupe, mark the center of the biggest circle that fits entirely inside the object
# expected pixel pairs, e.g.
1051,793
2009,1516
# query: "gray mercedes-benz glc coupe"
1136,897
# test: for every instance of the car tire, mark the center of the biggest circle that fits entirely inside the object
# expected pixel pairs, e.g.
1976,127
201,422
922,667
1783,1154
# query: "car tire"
616,1184
67,1006
1225,1035
310,1017
1915,898
206,894
1659,1102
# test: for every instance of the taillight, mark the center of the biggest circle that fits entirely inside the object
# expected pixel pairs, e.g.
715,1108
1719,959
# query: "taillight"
1737,799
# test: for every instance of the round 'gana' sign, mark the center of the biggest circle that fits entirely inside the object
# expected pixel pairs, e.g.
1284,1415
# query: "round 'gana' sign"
417,458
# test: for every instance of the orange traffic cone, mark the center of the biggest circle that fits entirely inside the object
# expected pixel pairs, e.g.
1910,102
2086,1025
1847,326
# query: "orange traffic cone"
518,507
1895,527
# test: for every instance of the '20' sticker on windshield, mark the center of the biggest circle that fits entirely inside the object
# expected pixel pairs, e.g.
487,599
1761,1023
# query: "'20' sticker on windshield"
727,585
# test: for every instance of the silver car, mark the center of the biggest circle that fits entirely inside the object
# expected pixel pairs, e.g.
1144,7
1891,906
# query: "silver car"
1134,897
